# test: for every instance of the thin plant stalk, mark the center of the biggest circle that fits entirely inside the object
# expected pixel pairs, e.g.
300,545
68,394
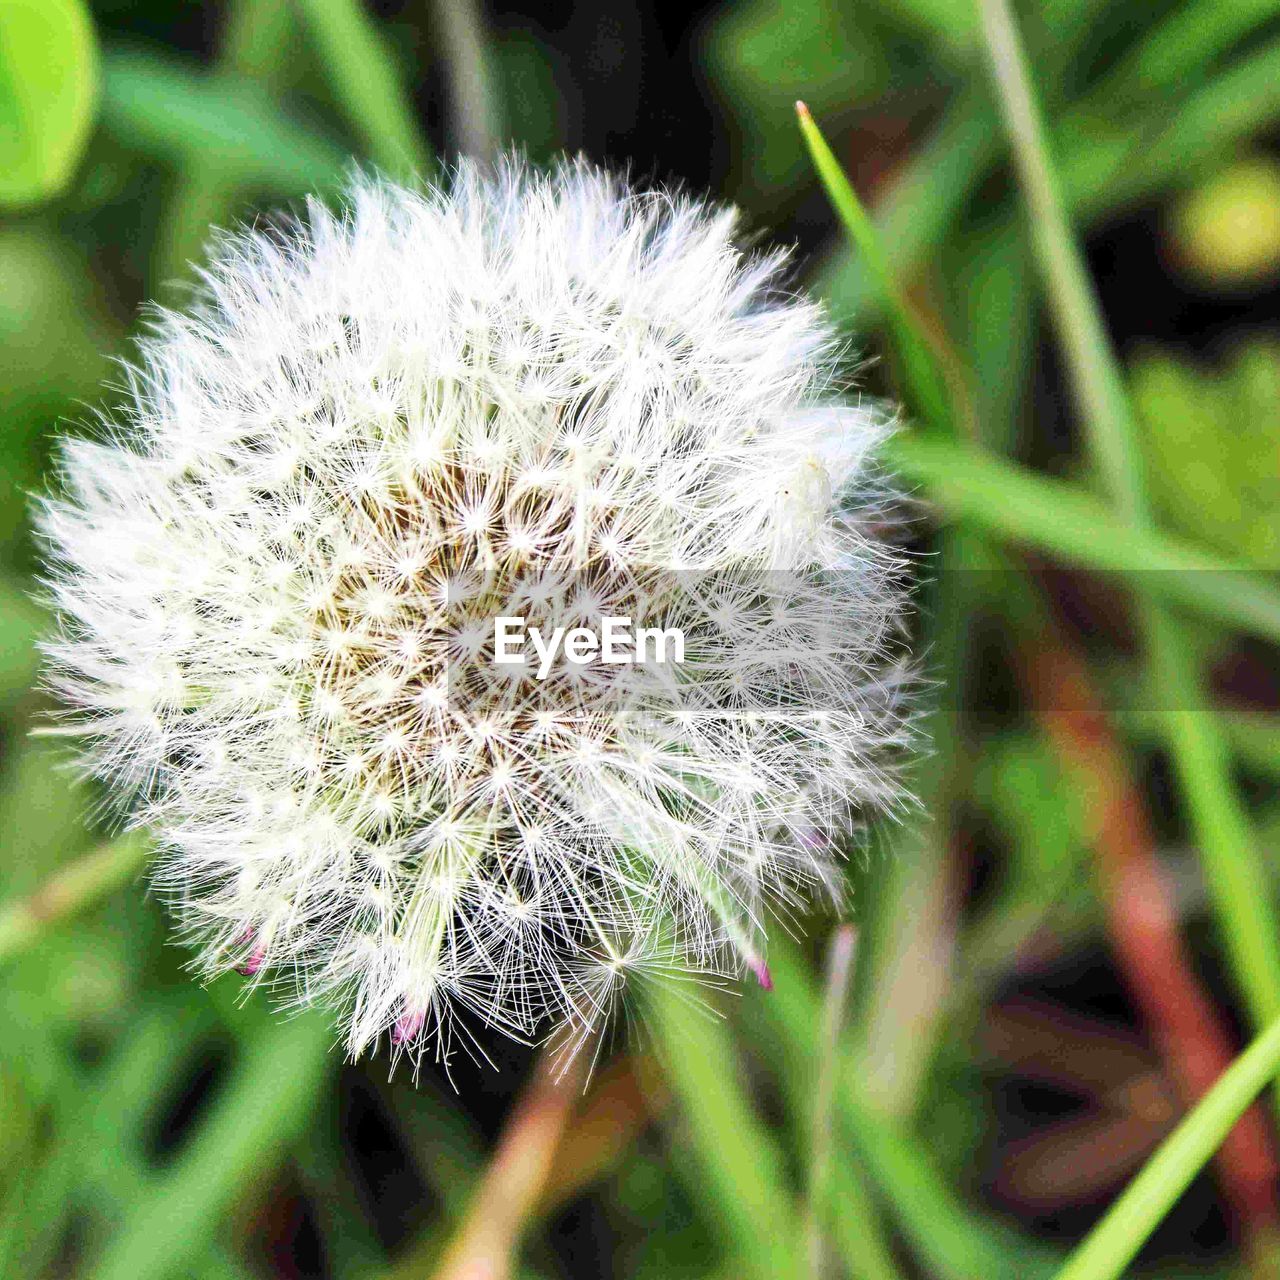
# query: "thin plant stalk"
515,1179
1115,1241
839,972
912,914
1142,915
1234,874
71,890
367,85
474,109
785,1025
1095,375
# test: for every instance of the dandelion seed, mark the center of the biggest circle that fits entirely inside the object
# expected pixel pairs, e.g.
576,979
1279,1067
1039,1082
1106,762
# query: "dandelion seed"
380,430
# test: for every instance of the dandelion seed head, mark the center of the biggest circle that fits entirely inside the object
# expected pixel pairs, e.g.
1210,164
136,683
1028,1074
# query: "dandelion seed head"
277,575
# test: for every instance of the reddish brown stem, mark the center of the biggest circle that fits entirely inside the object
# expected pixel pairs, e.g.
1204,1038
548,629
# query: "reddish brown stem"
1142,922
516,1178
626,1097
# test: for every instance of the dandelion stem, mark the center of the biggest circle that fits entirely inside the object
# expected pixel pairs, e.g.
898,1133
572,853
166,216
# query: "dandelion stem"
69,891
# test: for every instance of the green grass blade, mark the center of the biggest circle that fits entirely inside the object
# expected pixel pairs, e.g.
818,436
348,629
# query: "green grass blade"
266,1104
1114,1242
1187,40
783,1023
1236,876
1104,173
941,1232
1253,737
366,83
954,1243
923,384
1096,379
1098,174
1234,873
257,41
1068,523
902,924
167,108
739,1165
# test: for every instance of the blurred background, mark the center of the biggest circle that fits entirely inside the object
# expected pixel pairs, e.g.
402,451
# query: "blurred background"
1040,977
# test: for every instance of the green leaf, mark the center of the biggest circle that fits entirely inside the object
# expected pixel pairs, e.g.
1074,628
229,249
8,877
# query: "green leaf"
367,84
265,1107
48,94
1068,523
168,108
1107,171
1212,443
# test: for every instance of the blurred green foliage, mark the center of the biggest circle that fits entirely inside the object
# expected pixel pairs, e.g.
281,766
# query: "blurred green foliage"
1213,444
48,90
150,1127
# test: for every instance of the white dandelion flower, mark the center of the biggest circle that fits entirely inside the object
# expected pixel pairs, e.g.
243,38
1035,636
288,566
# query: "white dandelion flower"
546,398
